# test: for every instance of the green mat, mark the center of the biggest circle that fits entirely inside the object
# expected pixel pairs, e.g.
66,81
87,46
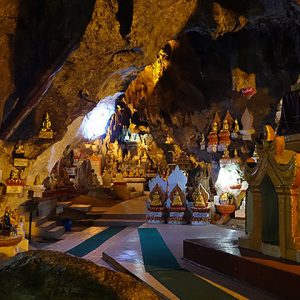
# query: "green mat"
95,241
163,266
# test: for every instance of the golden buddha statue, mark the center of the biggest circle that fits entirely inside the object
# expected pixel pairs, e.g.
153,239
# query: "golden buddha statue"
19,150
236,126
14,174
177,201
46,124
199,200
224,134
226,153
213,135
156,199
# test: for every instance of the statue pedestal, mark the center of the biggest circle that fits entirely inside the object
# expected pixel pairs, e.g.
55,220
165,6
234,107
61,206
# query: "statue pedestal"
200,216
176,215
225,210
156,215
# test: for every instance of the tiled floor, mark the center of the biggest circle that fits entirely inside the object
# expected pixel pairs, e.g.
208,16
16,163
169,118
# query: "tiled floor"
125,251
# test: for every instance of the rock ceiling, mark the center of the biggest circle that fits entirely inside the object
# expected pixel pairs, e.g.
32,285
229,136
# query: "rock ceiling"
65,56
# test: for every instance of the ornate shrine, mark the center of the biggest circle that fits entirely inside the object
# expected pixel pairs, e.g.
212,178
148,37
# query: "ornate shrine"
273,219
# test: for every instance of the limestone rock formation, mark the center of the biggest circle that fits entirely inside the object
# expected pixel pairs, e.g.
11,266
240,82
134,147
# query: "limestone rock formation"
65,56
55,275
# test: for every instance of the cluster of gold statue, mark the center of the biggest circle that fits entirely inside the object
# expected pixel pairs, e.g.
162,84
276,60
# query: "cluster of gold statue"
221,133
200,197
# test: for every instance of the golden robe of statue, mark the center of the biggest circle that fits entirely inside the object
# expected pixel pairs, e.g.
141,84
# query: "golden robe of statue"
156,199
199,200
177,201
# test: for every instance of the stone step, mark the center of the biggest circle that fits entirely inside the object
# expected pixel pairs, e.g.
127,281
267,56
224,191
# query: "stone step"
118,222
37,221
54,233
94,214
81,207
47,225
123,216
64,203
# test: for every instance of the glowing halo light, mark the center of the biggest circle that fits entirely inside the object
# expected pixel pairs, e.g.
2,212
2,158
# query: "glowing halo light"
95,122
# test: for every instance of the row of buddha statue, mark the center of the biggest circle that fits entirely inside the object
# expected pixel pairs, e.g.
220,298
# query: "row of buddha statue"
168,203
222,132
19,160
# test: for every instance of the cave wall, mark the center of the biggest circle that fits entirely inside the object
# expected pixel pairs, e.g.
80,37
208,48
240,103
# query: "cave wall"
65,56
204,74
8,23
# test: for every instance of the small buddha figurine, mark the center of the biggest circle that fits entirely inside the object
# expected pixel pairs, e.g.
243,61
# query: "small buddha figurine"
236,126
213,138
177,200
14,174
19,151
46,124
224,134
156,200
226,154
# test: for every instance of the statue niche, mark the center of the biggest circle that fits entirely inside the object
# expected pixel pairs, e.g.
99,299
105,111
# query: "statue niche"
157,197
200,209
177,197
177,207
156,202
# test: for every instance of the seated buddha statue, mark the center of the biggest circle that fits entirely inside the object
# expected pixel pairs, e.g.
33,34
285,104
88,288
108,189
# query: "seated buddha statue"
213,135
19,150
156,199
14,174
177,201
199,200
224,134
46,124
